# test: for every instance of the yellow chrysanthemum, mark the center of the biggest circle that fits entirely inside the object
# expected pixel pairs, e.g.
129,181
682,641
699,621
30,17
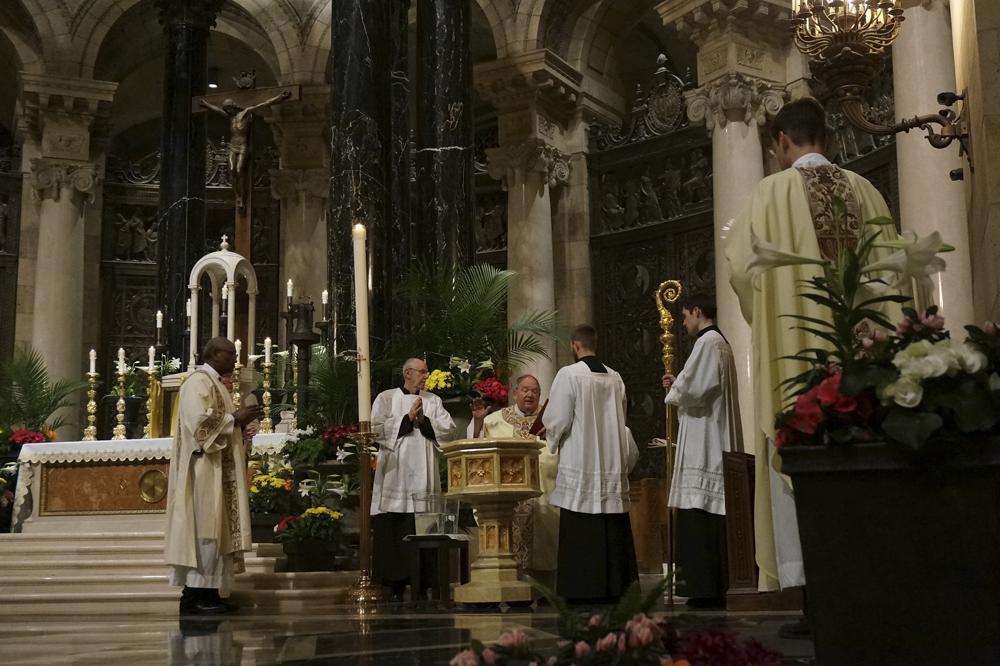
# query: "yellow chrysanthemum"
322,511
439,379
254,490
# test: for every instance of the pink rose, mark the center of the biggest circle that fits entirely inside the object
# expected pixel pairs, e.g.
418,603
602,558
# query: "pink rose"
608,643
934,322
621,643
594,621
867,343
489,656
641,631
465,658
581,649
880,336
989,328
513,639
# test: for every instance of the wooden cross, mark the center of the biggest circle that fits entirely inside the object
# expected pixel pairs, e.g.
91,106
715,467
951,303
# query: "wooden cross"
238,107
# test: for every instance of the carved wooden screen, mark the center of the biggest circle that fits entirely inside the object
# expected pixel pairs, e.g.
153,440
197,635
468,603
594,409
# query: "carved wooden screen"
651,220
10,216
128,254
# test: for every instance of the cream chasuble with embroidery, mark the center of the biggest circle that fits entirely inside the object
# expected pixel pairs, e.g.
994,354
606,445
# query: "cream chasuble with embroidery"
793,211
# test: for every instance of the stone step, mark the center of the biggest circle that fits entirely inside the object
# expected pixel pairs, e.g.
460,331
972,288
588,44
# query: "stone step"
66,551
296,580
289,601
23,566
84,583
87,538
25,603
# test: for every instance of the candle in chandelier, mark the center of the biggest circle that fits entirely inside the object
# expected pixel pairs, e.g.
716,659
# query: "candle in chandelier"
359,235
121,360
239,348
289,289
267,350
93,361
159,319
152,359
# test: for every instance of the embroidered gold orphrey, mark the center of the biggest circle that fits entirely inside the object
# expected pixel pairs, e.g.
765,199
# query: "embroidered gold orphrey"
521,424
825,184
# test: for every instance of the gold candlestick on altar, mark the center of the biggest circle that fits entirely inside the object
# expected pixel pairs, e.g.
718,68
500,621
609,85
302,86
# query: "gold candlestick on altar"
266,424
364,593
119,430
237,397
90,432
666,294
147,432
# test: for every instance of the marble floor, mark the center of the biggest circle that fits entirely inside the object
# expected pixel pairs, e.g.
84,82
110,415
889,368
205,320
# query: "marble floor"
399,634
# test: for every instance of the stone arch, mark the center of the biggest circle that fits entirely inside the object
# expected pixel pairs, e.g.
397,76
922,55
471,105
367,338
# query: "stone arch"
20,30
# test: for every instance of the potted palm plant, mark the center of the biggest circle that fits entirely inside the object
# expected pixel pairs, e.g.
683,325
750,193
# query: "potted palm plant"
891,444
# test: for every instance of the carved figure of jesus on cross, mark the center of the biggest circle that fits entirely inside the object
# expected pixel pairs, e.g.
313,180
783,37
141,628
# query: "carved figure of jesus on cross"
238,108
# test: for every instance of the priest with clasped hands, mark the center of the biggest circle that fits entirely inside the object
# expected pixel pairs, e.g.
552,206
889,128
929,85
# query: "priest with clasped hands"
408,423
208,505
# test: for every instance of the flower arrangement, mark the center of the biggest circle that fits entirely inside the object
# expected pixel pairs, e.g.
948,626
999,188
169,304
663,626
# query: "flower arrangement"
269,494
317,523
908,383
336,436
627,634
23,436
440,381
492,389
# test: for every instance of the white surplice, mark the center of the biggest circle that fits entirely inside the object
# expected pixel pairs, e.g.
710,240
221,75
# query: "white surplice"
407,464
709,424
585,425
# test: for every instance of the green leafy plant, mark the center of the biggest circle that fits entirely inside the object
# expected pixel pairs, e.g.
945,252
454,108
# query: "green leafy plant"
317,523
29,398
305,451
460,313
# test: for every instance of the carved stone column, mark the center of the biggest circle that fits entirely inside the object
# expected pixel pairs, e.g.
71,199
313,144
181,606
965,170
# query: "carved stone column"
535,94
923,65
64,123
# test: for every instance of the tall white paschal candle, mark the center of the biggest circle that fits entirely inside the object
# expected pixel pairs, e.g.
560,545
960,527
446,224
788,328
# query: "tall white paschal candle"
267,350
93,361
361,310
152,359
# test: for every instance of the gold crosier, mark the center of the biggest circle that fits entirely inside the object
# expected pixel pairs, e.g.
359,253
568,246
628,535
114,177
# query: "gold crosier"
667,294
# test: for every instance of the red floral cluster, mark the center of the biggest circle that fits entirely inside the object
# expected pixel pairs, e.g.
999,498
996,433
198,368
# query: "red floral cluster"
493,389
20,437
823,404
285,522
336,435
718,647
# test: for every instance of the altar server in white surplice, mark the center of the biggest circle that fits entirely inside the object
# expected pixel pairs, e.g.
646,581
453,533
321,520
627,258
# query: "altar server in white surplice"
585,425
408,423
208,507
706,398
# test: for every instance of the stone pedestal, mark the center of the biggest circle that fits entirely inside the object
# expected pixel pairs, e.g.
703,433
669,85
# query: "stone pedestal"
922,67
493,475
734,108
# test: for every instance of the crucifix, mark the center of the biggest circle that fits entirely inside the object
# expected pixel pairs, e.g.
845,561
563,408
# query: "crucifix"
238,108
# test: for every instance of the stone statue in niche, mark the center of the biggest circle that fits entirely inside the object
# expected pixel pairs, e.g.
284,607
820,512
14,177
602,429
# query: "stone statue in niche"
671,198
152,240
631,204
613,213
240,120
696,187
137,228
651,201
123,238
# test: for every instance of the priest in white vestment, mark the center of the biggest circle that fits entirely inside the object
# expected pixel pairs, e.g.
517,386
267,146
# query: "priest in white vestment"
793,210
585,425
707,402
408,423
515,422
208,506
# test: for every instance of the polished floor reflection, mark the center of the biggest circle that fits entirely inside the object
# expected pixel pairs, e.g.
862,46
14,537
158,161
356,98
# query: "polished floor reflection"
398,635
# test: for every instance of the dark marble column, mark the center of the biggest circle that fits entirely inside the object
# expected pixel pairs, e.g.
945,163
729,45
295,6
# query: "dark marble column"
397,240
182,159
444,130
360,149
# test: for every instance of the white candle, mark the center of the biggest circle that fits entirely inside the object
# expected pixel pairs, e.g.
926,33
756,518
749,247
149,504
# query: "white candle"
239,348
189,308
361,313
267,350
121,360
93,361
225,291
325,297
159,319
289,288
152,359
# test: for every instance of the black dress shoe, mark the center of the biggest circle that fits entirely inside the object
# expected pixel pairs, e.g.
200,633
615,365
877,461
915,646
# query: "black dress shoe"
207,607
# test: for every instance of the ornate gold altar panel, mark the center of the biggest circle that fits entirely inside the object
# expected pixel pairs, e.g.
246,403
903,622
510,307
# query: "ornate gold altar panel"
69,489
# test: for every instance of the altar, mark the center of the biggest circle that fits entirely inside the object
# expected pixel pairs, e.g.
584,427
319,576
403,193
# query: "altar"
104,485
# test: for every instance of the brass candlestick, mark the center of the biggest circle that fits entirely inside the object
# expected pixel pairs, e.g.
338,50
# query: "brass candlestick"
237,397
90,432
119,432
147,432
666,294
266,424
364,593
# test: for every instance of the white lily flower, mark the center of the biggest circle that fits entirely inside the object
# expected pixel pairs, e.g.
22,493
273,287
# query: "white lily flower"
461,364
915,260
281,353
307,487
767,256
485,365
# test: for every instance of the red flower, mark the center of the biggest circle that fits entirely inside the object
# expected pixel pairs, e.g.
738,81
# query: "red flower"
335,435
27,437
285,522
807,414
492,389
830,396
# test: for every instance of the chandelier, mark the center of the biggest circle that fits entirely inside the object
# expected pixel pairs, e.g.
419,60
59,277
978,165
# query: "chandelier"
847,42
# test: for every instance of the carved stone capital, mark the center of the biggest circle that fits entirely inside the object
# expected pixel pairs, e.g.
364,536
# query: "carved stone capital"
198,13
50,178
526,87
700,20
734,98
65,115
287,183
510,164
